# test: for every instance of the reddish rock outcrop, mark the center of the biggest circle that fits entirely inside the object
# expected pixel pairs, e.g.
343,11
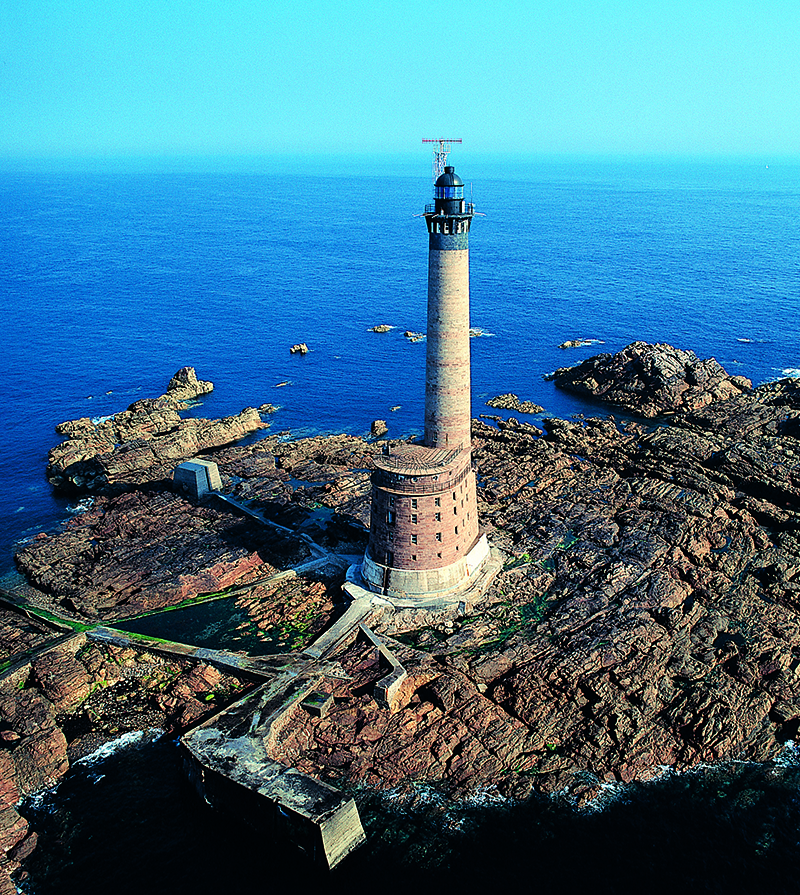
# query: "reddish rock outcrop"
143,443
145,550
648,614
512,402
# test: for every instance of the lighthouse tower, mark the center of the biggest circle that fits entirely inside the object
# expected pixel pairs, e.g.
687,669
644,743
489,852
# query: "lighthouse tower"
424,535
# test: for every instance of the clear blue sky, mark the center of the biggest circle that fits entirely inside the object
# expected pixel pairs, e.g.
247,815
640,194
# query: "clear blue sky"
89,77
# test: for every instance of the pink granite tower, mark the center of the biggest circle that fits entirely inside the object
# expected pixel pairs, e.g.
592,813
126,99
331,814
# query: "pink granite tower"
424,535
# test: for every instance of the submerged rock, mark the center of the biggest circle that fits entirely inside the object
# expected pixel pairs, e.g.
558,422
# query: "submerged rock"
577,343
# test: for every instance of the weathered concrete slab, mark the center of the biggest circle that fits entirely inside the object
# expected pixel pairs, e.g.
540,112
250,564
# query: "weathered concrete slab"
233,749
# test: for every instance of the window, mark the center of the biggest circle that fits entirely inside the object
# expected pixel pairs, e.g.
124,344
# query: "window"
437,501
391,501
413,503
454,496
456,529
391,535
390,517
438,536
438,517
439,555
413,557
414,518
413,539
455,511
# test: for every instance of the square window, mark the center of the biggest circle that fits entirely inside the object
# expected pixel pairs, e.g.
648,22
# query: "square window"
414,518
439,555
438,517
437,501
438,536
414,503
413,539
391,501
413,557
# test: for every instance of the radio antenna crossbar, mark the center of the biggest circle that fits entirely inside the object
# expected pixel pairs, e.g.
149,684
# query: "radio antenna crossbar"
440,151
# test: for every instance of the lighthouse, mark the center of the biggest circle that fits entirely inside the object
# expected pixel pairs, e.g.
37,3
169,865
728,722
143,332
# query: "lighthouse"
425,540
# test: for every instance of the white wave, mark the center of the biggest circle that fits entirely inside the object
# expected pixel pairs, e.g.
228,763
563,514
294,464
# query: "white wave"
81,506
40,801
99,420
789,756
484,796
745,341
126,741
792,372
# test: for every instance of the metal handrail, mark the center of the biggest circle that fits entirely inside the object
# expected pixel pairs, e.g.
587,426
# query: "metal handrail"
469,209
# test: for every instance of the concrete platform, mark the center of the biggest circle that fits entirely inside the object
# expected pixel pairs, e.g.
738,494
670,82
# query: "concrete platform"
228,760
399,614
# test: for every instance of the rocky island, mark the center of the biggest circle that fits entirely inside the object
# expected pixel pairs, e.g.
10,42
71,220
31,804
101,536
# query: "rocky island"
647,613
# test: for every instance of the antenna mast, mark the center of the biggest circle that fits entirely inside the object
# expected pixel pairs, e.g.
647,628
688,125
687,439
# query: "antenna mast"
440,155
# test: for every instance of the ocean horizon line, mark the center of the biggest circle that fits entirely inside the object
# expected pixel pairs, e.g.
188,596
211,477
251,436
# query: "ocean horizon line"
412,162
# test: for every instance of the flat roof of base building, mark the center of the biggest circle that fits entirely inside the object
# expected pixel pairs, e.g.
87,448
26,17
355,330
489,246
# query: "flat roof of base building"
416,460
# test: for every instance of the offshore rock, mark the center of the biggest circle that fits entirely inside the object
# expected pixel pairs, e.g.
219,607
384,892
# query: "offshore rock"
185,386
652,380
378,428
512,402
648,613
143,443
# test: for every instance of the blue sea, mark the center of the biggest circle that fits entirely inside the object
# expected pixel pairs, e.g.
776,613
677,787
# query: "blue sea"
115,274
